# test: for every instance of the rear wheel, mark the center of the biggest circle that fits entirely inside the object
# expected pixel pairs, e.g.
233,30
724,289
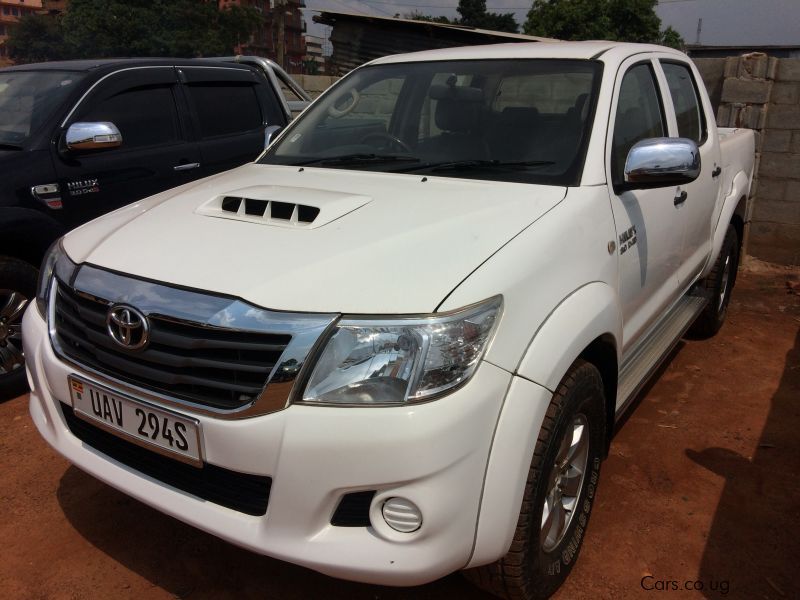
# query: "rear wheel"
559,493
719,285
17,289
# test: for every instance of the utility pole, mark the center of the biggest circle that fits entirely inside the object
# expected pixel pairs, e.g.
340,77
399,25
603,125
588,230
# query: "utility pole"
280,14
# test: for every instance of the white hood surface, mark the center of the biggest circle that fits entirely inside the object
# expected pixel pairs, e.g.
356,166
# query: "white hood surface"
381,244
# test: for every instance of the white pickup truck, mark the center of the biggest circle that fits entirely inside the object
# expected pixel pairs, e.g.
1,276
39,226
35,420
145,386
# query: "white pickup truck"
397,344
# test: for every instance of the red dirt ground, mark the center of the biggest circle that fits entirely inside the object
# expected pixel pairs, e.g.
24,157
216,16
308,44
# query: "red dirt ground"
702,485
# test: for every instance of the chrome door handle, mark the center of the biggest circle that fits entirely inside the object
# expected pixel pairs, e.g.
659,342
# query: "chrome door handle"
186,167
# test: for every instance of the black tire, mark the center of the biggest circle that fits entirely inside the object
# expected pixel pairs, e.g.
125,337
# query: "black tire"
20,277
718,285
529,571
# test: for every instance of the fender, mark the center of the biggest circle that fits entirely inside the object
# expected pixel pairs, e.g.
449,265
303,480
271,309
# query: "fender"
26,233
588,313
730,206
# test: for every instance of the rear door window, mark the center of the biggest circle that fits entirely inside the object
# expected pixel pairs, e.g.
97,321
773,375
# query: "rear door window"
225,107
686,101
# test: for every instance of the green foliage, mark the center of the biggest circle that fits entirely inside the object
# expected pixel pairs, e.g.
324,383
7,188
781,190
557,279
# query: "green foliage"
473,14
135,28
37,38
671,38
623,20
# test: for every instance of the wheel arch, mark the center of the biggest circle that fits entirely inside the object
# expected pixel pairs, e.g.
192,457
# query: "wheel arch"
26,234
585,325
602,353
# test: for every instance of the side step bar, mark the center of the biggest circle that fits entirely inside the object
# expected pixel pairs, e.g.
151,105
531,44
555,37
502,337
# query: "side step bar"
650,353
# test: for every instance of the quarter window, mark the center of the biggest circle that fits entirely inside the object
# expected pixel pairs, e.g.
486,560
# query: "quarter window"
685,99
639,116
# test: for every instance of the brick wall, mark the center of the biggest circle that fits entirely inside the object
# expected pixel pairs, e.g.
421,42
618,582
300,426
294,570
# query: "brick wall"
763,93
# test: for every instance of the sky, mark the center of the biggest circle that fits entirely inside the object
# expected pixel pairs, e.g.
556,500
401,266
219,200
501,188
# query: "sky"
725,22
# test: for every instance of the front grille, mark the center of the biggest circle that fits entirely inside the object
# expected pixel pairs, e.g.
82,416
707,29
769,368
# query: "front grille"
242,492
212,366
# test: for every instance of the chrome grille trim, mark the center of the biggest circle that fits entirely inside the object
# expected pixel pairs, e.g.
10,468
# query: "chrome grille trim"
187,310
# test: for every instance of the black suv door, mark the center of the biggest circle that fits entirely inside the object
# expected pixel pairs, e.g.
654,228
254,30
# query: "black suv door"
231,107
156,153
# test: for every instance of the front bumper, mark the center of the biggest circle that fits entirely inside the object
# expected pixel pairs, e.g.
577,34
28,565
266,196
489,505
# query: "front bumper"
433,454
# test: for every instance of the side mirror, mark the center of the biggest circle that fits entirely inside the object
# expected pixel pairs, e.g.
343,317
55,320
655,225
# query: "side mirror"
270,133
662,161
93,136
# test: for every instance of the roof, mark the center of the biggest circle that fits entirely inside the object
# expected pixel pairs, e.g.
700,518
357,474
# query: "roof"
330,18
110,63
566,50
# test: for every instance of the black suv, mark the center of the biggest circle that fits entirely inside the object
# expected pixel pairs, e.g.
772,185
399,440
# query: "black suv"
81,138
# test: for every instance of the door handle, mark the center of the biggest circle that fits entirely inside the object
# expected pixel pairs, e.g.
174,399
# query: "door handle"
681,198
716,172
186,167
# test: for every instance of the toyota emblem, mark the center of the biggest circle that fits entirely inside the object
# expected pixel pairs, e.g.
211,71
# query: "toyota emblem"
128,327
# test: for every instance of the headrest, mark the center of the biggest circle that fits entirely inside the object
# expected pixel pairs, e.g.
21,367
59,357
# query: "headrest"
456,115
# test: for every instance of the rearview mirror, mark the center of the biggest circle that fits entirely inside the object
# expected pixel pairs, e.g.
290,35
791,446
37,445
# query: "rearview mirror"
93,136
662,161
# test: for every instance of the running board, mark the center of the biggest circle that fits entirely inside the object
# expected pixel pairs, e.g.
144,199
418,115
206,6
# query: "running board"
649,355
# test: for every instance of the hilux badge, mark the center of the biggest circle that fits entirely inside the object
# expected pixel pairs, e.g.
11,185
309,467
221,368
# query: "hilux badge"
128,327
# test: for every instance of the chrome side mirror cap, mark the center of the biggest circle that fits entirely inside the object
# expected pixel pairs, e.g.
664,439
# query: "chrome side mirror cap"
662,161
270,133
93,136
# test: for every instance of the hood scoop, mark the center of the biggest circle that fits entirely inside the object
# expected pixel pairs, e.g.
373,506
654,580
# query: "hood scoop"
295,208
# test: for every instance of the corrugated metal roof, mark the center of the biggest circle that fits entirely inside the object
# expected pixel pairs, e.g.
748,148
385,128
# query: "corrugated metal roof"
358,39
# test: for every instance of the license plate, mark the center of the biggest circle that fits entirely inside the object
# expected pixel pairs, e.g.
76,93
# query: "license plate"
154,428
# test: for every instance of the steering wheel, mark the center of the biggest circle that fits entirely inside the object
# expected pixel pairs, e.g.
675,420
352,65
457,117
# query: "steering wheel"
380,135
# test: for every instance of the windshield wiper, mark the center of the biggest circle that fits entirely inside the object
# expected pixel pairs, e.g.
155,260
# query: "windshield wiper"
359,158
461,165
9,146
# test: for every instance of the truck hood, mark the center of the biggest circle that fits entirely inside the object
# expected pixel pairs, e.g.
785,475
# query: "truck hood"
328,241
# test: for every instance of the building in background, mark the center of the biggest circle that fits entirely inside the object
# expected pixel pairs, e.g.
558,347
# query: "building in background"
54,7
265,41
10,12
314,61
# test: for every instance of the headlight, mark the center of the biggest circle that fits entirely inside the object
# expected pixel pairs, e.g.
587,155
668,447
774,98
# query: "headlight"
57,262
374,362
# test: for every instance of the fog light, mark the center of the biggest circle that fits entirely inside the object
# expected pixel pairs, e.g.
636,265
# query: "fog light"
402,515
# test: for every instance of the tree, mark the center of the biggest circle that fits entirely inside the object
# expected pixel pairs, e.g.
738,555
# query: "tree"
117,28
623,20
37,38
473,14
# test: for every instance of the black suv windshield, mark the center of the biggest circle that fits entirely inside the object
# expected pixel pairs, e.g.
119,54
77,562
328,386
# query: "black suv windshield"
522,120
28,99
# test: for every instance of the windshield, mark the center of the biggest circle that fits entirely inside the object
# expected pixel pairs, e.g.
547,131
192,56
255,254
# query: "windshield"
28,99
510,120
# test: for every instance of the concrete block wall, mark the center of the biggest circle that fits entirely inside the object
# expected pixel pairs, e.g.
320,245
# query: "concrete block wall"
763,93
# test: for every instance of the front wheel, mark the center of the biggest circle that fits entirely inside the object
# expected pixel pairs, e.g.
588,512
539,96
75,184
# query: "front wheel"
17,289
559,493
